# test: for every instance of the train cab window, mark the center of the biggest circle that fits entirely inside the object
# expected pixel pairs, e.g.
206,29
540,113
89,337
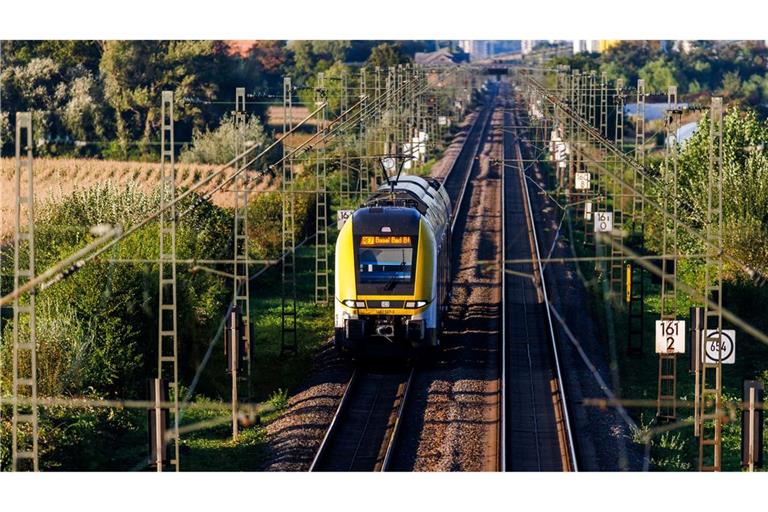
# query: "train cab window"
385,265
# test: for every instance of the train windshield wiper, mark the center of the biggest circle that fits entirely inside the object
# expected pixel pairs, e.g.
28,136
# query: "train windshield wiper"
393,280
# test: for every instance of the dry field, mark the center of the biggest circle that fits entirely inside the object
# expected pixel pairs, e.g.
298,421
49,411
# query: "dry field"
60,177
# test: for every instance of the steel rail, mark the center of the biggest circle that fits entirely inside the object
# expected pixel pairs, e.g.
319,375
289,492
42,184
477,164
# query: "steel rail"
503,385
396,427
335,421
487,111
390,440
561,387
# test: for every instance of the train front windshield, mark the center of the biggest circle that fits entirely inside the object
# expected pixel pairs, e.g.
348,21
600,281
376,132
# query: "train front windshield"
384,265
386,261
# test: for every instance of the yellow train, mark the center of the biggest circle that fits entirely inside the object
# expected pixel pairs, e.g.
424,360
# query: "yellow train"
393,269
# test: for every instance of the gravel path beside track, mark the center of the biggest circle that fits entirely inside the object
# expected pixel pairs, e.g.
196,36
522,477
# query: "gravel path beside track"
452,421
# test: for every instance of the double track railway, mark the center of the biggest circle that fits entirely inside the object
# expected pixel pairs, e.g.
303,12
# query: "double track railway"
532,429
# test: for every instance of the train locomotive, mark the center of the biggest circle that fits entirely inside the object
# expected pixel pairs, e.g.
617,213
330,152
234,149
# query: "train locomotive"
393,269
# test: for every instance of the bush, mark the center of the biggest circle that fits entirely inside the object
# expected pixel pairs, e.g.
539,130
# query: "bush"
265,218
97,330
82,438
218,146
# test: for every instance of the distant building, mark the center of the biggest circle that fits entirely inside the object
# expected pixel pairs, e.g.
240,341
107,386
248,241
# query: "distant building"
442,57
582,45
593,45
526,46
477,49
605,44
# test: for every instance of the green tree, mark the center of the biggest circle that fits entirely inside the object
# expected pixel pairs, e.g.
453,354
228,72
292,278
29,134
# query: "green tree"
386,55
67,54
745,186
135,73
660,74
311,57
731,85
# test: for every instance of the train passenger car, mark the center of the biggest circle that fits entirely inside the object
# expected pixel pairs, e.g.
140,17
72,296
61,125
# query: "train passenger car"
393,269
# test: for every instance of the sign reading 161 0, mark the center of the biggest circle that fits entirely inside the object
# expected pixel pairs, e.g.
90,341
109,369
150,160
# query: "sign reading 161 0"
603,222
670,336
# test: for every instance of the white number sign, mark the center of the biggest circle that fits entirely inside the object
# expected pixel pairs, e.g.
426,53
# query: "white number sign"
442,121
603,222
582,181
342,216
723,348
670,336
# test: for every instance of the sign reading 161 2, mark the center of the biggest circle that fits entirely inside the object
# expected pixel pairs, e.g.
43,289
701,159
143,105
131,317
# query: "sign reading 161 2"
670,336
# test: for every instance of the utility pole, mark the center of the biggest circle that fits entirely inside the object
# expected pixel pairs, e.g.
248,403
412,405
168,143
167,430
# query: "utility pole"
711,408
24,429
345,178
667,383
242,295
365,183
167,339
288,342
635,274
321,205
617,265
233,362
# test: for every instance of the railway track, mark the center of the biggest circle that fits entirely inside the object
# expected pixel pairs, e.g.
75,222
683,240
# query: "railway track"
536,432
457,178
364,430
363,434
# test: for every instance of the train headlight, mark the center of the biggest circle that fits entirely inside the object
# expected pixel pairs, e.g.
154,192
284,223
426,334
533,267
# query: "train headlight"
413,304
350,303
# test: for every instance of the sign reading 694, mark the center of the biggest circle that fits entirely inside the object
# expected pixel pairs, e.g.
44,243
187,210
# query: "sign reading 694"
720,347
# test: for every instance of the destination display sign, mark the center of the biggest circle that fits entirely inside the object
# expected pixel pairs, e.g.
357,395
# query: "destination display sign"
385,241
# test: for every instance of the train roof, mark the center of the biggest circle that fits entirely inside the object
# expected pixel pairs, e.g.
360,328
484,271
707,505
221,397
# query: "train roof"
426,191
425,194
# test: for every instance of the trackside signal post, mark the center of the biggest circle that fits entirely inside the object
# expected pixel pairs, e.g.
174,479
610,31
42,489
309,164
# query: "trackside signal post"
752,425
